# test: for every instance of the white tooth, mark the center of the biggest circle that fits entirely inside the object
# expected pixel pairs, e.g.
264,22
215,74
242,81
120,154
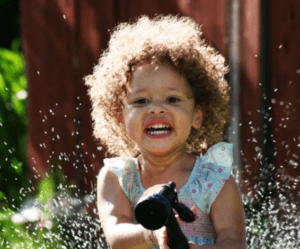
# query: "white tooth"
158,132
158,126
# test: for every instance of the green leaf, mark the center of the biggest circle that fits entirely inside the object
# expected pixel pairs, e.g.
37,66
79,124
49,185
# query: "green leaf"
46,189
12,124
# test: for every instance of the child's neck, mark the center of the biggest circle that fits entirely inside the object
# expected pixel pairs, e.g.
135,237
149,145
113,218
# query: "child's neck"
158,170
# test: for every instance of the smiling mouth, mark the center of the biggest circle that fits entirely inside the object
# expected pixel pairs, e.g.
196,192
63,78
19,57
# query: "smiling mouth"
158,129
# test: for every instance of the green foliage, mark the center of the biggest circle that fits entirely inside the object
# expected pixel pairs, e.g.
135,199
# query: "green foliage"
46,189
34,234
13,162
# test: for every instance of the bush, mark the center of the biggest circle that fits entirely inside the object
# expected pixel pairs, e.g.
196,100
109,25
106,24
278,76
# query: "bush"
13,167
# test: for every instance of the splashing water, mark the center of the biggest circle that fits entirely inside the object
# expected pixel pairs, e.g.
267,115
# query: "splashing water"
60,220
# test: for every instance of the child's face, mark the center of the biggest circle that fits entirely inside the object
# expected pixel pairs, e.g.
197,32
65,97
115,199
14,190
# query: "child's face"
159,109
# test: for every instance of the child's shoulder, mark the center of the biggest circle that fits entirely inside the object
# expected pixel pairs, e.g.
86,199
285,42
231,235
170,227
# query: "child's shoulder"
210,174
219,154
126,170
121,165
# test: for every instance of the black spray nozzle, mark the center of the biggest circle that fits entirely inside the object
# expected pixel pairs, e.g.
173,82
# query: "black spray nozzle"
154,211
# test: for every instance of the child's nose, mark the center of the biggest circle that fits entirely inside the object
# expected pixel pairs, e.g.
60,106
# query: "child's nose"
156,109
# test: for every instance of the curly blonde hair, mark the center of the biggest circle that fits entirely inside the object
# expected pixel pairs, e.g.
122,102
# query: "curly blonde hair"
163,39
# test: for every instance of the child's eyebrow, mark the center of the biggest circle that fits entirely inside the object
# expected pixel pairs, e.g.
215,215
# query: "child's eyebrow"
173,89
145,89
138,90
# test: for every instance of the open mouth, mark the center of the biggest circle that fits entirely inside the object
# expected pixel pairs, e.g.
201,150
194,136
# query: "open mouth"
158,129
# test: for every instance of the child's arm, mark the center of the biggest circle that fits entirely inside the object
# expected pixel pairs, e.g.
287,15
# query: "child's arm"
116,214
227,213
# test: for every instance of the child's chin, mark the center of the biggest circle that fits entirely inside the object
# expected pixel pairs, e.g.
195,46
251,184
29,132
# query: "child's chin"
159,151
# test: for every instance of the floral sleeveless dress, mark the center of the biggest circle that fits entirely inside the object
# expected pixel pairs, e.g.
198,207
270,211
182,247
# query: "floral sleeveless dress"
203,186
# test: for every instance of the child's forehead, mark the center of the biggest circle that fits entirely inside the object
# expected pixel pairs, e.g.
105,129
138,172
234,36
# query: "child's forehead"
146,74
149,70
149,66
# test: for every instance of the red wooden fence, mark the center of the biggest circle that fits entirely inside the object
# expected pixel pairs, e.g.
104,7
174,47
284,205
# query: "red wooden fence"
284,50
62,41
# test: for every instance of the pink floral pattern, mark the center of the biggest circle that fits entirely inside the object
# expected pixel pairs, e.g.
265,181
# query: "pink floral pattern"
203,186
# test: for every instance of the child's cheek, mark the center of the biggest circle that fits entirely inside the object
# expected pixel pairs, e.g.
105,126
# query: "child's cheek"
133,122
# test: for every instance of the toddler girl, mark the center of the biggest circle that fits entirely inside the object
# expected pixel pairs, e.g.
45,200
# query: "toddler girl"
160,99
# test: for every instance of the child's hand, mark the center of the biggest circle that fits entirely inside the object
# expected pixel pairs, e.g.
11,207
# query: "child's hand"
193,245
194,209
160,237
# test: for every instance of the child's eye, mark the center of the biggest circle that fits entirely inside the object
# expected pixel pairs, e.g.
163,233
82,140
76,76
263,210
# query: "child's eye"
173,100
141,101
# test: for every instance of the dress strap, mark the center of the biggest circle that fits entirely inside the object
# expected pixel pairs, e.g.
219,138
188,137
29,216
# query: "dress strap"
127,172
213,169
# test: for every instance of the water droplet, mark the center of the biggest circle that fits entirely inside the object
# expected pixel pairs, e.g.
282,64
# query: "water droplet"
22,94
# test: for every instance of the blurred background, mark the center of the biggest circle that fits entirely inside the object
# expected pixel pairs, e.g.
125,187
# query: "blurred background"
48,157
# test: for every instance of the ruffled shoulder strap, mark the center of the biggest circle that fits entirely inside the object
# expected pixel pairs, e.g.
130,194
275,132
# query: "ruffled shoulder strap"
126,169
210,174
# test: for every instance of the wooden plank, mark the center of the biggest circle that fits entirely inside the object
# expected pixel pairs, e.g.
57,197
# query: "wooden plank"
34,49
47,40
61,83
250,102
212,16
95,19
129,10
284,28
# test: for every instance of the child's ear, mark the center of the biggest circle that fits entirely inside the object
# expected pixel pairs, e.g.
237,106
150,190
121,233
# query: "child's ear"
198,117
119,116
